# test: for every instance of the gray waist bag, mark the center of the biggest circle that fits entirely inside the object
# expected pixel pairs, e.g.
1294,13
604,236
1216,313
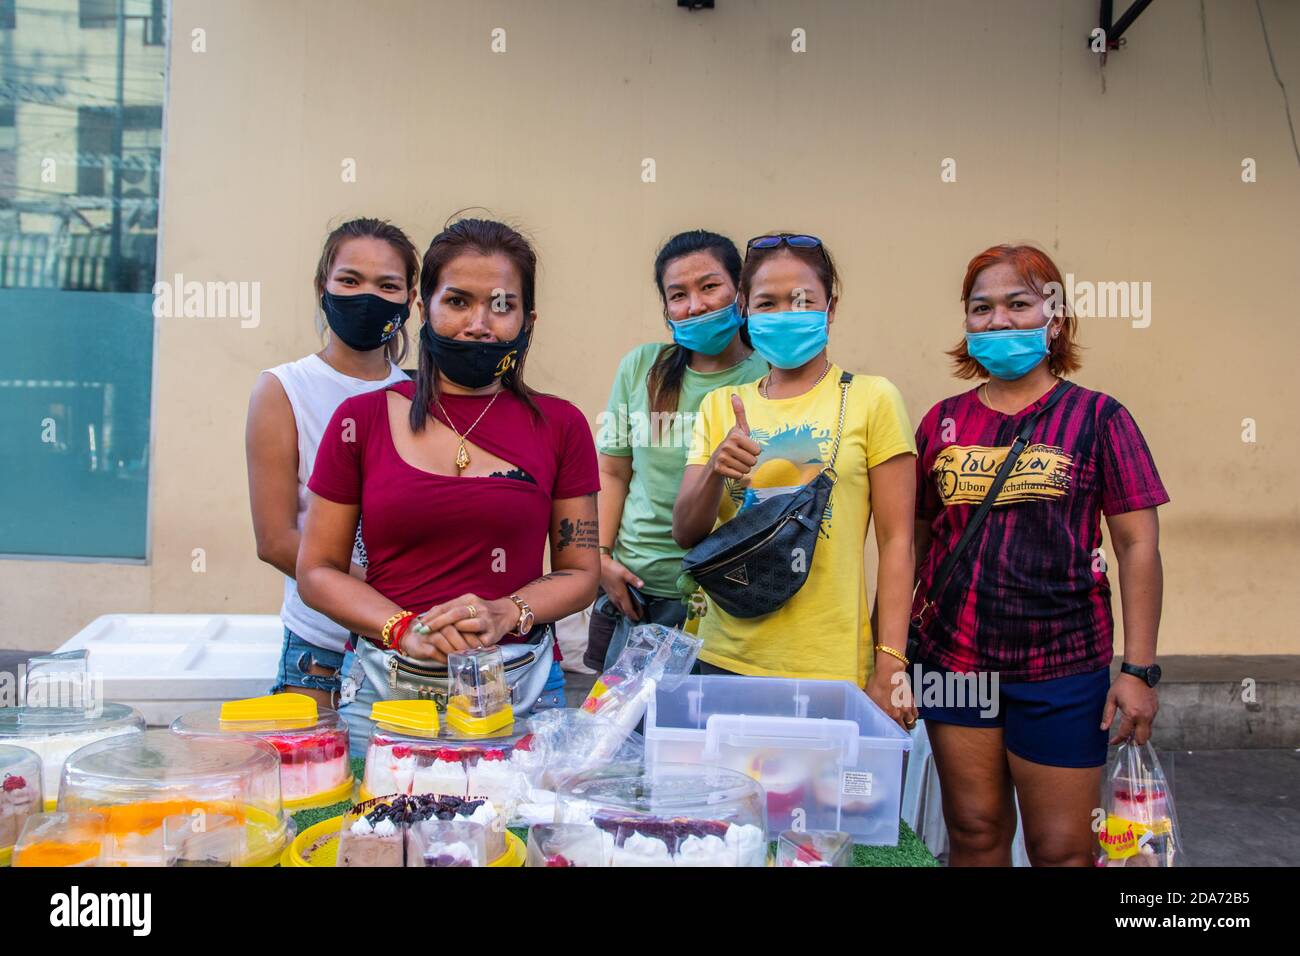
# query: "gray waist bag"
394,677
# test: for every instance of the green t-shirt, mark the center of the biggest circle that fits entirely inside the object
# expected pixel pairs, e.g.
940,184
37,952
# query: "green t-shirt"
658,450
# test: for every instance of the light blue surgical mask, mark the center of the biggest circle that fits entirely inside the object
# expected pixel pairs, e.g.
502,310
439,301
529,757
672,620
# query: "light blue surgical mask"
708,334
788,339
1008,354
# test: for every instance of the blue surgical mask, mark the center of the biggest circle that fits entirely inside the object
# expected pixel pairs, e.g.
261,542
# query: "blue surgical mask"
707,334
788,339
1008,354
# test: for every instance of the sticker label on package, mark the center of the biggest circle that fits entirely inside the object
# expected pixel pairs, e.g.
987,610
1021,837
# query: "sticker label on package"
856,784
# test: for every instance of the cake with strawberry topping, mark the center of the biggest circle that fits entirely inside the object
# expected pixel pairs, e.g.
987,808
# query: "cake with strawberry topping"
390,770
310,765
496,776
440,771
20,797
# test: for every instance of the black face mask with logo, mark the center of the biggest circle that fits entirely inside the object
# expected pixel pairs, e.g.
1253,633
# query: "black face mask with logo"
474,364
364,322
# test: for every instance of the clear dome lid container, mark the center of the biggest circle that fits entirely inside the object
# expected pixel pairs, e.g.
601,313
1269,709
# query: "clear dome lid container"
379,832
20,793
565,844
315,769
675,815
139,781
409,753
455,843
60,839
814,848
53,733
479,696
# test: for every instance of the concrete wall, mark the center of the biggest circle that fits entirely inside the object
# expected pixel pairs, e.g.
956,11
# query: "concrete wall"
1131,173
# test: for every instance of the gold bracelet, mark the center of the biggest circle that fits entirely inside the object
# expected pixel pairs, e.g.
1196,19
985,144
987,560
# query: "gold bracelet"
386,636
893,653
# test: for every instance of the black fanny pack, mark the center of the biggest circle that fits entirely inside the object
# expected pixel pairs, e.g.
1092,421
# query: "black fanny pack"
758,560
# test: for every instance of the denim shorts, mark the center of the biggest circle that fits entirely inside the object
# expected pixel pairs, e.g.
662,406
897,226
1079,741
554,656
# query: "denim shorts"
297,657
1054,722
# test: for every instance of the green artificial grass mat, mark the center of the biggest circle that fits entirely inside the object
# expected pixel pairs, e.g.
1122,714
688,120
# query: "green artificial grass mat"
909,852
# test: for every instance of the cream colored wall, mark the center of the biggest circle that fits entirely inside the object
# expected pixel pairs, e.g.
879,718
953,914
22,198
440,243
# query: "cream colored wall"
1130,175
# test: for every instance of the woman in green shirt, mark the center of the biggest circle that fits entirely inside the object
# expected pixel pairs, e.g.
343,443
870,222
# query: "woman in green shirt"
646,430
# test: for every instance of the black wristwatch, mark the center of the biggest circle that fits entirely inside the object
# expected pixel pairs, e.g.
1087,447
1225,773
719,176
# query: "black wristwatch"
1149,675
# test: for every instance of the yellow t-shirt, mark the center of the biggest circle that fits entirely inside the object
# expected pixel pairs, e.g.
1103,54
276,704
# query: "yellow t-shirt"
824,631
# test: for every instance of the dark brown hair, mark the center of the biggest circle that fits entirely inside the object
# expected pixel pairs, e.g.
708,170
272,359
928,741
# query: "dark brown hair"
483,237
365,228
1036,269
818,259
665,379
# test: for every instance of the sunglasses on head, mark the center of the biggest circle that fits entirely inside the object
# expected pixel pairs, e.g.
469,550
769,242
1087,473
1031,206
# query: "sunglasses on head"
786,238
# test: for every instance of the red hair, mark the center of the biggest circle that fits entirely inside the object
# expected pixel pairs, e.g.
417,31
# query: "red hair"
1035,269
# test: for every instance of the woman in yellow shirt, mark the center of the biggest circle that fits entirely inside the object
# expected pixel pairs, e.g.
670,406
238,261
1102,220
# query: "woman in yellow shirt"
771,436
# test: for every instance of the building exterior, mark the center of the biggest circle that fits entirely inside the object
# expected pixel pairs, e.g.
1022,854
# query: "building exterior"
909,136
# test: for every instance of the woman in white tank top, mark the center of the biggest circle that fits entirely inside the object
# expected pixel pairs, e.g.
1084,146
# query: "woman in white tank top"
366,285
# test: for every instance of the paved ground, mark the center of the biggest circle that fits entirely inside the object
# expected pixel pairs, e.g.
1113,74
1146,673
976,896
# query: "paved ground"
1235,807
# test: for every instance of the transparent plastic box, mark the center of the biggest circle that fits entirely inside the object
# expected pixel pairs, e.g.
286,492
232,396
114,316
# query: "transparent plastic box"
136,782
60,839
560,845
814,848
53,733
674,815
20,794
479,698
826,755
313,745
404,759
446,843
378,832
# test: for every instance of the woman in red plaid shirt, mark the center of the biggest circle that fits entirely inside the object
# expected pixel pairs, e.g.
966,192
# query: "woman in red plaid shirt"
1027,607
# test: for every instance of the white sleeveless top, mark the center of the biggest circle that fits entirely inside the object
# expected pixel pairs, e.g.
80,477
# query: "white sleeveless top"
315,390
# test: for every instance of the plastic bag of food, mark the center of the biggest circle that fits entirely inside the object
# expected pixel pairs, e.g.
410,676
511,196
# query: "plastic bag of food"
567,743
655,656
1140,828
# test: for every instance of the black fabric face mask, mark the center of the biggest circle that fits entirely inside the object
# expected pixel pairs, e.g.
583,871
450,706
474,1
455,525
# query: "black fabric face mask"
363,322
473,364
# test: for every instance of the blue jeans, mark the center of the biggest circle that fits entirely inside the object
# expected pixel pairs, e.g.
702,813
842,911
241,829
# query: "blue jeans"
296,659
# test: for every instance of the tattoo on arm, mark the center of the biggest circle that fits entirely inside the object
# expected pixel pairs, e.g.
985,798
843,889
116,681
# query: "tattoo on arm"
582,533
553,575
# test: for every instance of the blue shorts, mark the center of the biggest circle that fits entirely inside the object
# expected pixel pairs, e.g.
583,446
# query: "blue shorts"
1053,722
297,656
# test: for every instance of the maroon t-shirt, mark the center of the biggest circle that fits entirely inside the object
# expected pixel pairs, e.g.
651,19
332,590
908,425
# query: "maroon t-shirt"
1029,598
431,538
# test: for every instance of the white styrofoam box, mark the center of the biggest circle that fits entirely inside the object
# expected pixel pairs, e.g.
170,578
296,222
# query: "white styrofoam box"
828,757
165,665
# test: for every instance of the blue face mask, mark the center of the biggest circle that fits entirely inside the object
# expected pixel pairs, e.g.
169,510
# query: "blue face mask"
1008,354
788,339
707,334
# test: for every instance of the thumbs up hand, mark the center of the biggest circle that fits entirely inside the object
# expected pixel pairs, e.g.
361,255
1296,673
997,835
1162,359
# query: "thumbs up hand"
738,453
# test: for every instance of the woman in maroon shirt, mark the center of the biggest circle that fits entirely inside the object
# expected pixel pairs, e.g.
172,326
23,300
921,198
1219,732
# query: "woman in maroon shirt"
459,479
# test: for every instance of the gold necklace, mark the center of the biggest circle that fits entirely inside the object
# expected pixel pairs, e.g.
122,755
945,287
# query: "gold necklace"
767,380
462,453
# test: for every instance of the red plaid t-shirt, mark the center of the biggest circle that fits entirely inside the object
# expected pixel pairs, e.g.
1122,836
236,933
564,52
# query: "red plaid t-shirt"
1029,598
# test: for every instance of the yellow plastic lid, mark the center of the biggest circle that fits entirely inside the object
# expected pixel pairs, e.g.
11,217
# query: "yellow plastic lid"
459,718
276,707
418,715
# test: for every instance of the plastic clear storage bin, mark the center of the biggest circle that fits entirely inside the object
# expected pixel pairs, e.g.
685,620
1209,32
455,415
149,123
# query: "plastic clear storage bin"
20,795
53,733
409,753
139,782
312,742
828,758
674,815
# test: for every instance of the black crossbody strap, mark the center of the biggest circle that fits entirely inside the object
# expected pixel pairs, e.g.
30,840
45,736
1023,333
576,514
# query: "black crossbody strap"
977,519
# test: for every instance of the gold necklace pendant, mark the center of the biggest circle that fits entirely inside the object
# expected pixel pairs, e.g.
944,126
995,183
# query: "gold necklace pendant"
462,457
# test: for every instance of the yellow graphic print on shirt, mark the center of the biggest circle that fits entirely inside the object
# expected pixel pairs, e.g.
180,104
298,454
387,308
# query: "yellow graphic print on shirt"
963,474
791,457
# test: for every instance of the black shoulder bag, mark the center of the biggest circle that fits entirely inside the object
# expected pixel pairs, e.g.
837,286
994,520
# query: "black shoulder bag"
759,559
977,519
